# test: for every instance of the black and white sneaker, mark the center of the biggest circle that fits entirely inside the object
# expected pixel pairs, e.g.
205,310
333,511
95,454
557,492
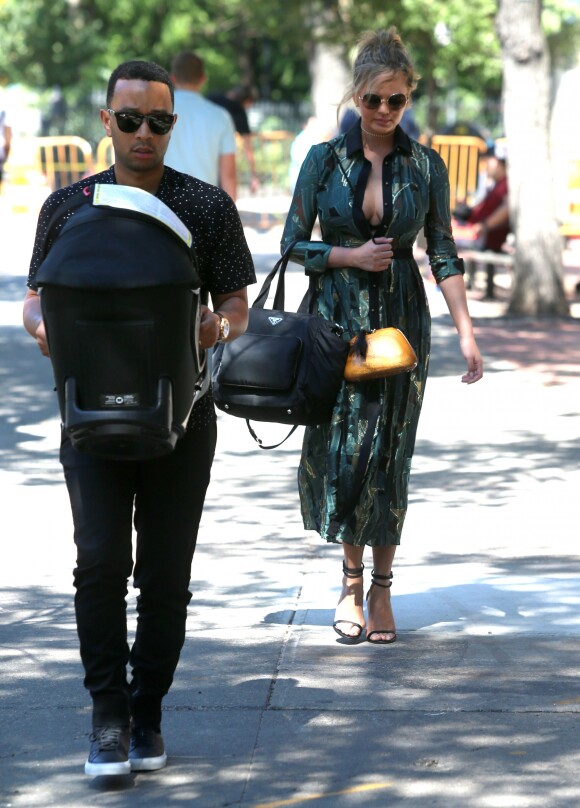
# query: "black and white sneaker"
146,751
109,752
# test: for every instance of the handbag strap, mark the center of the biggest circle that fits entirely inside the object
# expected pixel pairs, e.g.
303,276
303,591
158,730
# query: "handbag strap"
280,266
274,445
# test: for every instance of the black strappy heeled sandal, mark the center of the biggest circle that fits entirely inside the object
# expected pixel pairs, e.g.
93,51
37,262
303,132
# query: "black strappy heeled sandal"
375,582
350,572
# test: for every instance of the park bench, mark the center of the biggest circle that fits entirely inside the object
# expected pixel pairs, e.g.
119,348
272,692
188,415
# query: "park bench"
491,260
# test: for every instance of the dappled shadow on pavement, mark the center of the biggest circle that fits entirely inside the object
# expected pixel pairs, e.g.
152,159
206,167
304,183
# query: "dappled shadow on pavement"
30,433
548,347
266,712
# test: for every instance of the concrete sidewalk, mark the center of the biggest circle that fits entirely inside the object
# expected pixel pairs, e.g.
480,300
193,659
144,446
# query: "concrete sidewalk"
477,703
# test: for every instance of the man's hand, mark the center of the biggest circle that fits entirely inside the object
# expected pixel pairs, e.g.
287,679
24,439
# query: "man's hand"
209,328
33,322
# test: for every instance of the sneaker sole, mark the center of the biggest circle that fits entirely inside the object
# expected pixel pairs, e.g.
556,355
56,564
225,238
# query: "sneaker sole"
97,769
151,764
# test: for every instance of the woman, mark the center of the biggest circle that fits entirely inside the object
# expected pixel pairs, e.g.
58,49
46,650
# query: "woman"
373,189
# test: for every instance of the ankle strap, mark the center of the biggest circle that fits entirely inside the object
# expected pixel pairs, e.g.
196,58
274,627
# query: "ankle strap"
353,572
376,578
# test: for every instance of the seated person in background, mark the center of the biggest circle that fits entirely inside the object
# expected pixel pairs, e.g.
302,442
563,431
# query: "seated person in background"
491,216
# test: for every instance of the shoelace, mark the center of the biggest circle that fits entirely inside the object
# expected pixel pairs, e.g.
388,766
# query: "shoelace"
108,737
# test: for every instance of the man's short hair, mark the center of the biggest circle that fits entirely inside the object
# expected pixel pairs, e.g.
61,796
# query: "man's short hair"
136,69
188,68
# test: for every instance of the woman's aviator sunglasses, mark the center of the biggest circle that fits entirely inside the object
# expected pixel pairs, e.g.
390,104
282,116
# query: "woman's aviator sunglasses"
373,101
160,122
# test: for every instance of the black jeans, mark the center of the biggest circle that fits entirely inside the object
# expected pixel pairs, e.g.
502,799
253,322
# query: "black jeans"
166,496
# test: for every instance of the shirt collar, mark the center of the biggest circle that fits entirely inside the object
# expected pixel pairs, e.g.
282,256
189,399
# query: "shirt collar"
354,140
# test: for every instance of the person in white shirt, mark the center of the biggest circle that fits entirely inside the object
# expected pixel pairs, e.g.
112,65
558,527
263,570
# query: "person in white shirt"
203,141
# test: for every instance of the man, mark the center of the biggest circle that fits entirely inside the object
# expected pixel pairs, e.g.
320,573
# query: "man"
237,101
204,141
168,493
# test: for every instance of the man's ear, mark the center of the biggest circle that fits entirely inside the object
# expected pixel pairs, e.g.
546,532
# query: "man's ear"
106,119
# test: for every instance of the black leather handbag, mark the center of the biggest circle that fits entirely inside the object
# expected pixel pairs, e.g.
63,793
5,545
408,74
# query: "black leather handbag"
288,366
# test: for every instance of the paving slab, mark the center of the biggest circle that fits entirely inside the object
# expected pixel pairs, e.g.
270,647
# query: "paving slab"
477,703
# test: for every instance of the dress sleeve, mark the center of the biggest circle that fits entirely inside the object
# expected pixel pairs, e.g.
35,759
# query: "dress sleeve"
313,255
441,247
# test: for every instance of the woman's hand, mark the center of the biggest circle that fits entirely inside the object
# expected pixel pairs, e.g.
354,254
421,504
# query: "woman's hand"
473,358
375,255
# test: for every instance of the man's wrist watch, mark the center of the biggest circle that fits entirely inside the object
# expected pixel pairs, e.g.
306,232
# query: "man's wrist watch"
224,327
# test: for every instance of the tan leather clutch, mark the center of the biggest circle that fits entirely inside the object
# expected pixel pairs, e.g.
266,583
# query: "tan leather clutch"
381,353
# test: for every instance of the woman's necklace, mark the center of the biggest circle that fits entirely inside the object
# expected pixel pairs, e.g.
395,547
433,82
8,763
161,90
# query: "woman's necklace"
373,134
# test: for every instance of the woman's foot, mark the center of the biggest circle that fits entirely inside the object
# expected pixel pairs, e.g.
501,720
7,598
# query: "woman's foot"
349,620
381,623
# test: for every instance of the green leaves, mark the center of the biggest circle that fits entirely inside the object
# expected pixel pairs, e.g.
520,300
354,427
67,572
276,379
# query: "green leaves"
76,43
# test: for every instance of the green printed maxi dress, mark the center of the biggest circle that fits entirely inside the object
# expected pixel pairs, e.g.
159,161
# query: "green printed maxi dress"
368,507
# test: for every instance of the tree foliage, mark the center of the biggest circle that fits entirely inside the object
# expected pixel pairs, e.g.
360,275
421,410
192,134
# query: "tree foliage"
76,43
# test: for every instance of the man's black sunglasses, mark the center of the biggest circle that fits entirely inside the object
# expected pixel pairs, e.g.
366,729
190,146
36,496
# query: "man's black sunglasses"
373,101
160,122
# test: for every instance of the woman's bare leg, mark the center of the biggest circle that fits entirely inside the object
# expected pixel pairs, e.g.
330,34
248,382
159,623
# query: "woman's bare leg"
349,620
380,613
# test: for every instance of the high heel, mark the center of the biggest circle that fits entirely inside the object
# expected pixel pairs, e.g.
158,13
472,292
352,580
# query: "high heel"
350,572
376,582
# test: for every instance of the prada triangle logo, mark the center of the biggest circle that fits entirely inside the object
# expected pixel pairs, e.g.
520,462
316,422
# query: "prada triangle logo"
275,320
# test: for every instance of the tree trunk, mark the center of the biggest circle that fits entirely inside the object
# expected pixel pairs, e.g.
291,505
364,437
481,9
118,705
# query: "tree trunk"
330,77
538,274
328,64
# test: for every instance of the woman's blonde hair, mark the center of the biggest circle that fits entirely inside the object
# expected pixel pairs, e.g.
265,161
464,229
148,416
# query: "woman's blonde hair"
380,52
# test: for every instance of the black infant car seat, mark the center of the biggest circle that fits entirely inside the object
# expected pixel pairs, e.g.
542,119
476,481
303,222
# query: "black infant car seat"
120,297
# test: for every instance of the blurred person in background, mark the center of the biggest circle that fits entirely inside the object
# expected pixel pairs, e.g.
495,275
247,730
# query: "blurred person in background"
237,101
203,142
490,217
312,132
5,141
487,224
